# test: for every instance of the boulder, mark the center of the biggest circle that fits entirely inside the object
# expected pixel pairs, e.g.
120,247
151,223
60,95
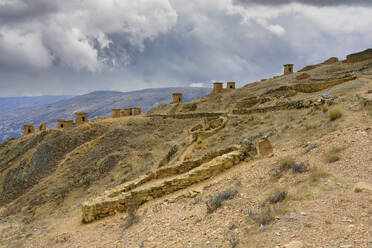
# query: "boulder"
362,186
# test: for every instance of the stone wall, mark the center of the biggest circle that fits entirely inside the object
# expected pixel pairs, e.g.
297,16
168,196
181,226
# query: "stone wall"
29,128
65,123
42,127
177,97
127,112
217,87
189,116
115,113
121,201
81,117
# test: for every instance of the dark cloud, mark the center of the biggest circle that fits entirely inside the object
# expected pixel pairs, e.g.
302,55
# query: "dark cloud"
17,11
128,47
322,3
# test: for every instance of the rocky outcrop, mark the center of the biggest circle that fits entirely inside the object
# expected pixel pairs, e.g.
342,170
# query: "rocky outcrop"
315,87
358,57
188,116
138,192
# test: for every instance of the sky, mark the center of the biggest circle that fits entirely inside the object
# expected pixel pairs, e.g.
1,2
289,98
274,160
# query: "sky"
78,46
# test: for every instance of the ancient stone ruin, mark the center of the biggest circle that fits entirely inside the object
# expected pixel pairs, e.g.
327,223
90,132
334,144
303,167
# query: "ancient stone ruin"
358,57
81,117
115,113
65,123
177,97
137,111
127,112
217,87
230,85
29,128
265,148
288,69
42,127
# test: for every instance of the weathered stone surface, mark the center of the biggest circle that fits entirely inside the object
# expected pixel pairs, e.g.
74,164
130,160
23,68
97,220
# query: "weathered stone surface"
361,186
265,148
358,57
294,244
330,61
248,102
302,76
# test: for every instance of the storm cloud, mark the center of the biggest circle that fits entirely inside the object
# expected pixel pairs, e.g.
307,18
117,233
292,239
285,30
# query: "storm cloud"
73,47
306,2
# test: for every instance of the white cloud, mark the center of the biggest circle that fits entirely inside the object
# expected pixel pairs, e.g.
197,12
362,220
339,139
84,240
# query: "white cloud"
68,30
200,85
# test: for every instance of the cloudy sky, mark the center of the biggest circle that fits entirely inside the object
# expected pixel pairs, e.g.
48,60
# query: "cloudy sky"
77,46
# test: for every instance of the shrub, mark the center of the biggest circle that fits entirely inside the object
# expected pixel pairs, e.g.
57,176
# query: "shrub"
286,163
188,156
278,197
234,240
335,114
131,219
316,174
333,154
217,200
299,167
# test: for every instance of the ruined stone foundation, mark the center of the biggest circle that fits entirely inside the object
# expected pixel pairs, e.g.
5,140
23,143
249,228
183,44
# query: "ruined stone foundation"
81,117
217,87
177,97
127,112
42,127
29,128
115,113
65,123
288,69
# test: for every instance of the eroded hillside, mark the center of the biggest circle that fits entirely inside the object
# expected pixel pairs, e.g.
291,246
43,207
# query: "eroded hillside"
203,174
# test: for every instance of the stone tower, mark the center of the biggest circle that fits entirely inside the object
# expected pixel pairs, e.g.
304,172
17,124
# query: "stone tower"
217,87
230,85
42,127
177,97
127,112
137,111
288,69
29,128
115,113
81,117
65,123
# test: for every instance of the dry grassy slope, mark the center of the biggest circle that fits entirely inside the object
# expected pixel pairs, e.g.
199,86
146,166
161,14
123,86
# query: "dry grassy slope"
82,162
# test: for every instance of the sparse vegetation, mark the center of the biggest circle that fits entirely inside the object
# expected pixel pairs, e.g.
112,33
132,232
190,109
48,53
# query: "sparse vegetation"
169,156
131,219
335,114
333,154
316,174
188,156
278,196
234,240
217,200
286,163
325,108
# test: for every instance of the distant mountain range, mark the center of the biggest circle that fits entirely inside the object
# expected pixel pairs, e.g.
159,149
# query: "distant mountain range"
97,104
10,103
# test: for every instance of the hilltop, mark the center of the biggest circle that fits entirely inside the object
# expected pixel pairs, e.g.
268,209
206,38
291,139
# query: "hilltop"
284,162
97,104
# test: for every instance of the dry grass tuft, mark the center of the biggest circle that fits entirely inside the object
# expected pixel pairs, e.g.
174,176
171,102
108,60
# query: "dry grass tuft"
316,174
333,154
325,108
188,157
286,163
335,114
